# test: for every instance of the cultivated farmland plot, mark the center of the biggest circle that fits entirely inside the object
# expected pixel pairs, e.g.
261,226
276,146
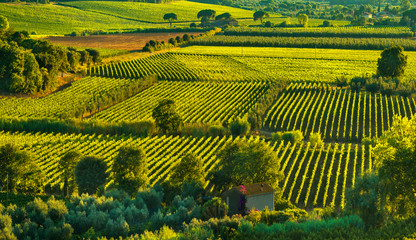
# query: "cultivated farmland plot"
252,64
338,114
314,176
203,102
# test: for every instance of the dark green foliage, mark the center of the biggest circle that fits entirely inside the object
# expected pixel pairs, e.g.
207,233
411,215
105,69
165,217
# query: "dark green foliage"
170,17
130,170
19,70
217,131
4,25
224,16
166,117
357,83
365,200
260,15
23,173
387,88
214,208
239,127
268,24
90,173
292,137
373,85
95,55
207,13
190,169
66,167
243,162
342,81
392,62
152,198
6,227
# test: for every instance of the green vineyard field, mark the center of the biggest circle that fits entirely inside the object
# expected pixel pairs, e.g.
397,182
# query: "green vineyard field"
338,114
306,42
80,97
350,32
313,176
196,102
252,64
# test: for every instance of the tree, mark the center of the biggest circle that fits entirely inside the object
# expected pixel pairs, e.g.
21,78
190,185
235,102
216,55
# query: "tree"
170,17
223,17
303,19
90,173
392,62
166,117
365,200
379,2
395,162
260,15
190,169
130,170
405,5
18,171
4,25
19,70
66,167
206,15
243,162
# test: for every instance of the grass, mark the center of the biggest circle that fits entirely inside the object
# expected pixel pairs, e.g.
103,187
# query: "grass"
149,12
59,19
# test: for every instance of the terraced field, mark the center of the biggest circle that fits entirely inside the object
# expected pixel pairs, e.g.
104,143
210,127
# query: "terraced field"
314,177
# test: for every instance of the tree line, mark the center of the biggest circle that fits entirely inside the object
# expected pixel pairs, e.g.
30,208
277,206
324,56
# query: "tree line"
29,66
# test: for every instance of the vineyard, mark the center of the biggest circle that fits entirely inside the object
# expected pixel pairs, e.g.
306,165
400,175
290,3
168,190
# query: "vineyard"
314,176
348,32
306,42
238,64
196,102
86,95
338,114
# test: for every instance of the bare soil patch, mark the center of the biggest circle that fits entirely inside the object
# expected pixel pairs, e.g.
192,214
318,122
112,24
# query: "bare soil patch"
124,41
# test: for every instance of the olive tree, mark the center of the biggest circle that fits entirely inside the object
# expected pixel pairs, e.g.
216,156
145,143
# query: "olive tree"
260,15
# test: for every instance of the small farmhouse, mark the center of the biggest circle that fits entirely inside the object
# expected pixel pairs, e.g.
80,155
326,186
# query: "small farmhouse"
244,198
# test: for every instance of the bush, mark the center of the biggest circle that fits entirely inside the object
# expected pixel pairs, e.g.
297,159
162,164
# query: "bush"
193,25
217,131
373,85
214,208
292,137
315,139
90,173
277,136
239,127
357,83
342,81
387,88
268,24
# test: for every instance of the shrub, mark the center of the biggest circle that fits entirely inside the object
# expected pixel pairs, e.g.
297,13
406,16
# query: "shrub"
373,85
214,208
387,88
217,131
315,139
239,127
192,25
292,137
268,24
277,136
342,81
